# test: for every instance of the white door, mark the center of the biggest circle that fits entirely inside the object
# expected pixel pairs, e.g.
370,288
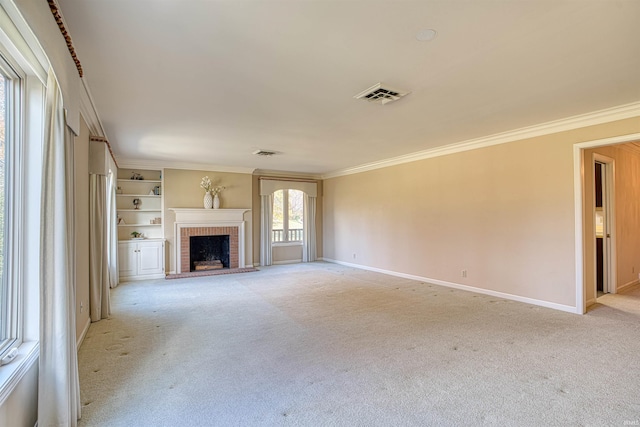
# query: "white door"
151,257
127,259
605,280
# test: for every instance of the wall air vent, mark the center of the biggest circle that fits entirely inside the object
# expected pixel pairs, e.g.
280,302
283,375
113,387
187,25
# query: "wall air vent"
265,153
381,94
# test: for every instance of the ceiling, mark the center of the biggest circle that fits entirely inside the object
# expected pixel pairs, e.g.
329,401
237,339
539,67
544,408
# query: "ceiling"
210,82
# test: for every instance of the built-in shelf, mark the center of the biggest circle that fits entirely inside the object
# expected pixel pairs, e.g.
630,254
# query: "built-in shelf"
140,180
149,203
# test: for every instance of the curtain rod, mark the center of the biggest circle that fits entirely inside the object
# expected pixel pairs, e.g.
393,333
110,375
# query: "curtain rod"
55,11
275,178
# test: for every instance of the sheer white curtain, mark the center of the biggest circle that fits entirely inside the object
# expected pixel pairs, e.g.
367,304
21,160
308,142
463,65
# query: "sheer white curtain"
309,232
112,231
266,224
58,386
99,305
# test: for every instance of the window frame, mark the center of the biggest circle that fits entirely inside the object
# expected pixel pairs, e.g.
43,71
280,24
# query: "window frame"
285,220
24,54
11,284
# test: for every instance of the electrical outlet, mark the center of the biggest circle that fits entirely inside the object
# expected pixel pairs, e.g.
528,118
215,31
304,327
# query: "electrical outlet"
464,273
81,307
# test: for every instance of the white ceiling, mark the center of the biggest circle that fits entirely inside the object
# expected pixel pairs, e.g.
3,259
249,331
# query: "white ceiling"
210,82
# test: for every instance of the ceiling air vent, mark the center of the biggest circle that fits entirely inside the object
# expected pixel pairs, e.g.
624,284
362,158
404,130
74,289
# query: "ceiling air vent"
381,94
265,153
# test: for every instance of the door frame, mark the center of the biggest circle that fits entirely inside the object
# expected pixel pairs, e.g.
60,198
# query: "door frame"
578,193
609,261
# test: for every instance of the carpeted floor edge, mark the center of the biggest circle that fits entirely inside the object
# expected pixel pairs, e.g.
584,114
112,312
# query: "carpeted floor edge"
211,273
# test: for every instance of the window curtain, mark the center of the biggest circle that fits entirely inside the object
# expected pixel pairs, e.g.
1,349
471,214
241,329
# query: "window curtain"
266,224
112,232
309,232
58,386
99,304
267,187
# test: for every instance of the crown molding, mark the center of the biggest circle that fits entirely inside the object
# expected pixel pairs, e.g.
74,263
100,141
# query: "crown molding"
632,147
163,164
575,122
89,112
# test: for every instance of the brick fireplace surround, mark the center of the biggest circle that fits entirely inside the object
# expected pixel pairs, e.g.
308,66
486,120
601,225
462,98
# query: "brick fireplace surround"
208,222
187,232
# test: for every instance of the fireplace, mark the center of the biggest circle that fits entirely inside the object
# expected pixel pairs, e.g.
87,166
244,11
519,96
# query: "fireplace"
188,233
190,223
208,252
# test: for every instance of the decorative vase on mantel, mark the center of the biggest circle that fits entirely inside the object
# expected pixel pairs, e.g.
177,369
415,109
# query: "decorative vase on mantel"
216,202
208,200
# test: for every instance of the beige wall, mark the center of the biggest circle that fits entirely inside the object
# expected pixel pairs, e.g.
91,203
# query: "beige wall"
284,253
81,165
505,214
21,407
182,190
627,216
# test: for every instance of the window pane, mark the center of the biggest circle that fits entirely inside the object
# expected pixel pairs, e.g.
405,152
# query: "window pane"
278,216
295,215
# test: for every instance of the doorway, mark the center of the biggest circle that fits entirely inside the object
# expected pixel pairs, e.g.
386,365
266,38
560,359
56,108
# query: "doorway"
583,166
603,227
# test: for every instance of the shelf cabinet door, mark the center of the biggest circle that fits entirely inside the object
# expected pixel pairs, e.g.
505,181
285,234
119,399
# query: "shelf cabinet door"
151,257
141,259
127,259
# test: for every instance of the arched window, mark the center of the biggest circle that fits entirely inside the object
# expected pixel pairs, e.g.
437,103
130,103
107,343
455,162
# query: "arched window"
288,216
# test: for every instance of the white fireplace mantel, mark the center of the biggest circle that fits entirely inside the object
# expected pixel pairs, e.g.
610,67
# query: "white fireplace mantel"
200,217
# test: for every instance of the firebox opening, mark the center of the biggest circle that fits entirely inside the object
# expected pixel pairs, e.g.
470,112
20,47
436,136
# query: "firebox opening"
208,252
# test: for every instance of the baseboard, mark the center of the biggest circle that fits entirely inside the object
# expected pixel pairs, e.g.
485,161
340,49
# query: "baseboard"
138,278
533,301
287,261
83,334
627,285
590,302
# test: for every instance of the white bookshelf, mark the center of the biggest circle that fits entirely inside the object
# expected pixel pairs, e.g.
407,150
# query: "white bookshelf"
148,218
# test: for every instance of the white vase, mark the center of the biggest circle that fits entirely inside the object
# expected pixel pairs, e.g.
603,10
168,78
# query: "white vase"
216,202
208,200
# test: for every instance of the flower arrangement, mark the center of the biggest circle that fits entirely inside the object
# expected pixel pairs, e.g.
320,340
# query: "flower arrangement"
205,183
208,186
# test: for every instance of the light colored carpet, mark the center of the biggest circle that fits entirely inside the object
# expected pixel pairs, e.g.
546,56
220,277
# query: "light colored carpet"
326,345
